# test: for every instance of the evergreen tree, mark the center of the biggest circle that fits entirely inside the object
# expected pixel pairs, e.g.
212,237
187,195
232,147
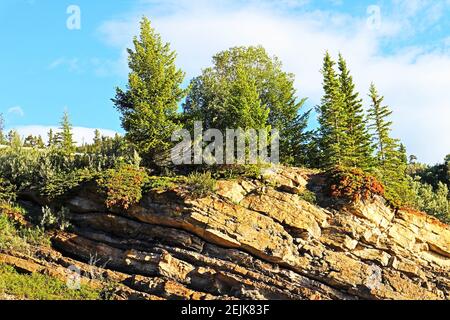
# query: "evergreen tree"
149,105
51,138
64,138
97,141
390,156
333,140
14,139
387,148
403,154
301,146
359,146
2,128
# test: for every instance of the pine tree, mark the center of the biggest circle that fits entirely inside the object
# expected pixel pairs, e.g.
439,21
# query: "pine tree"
2,127
390,157
149,105
359,148
97,141
300,144
14,139
378,114
51,138
64,138
333,141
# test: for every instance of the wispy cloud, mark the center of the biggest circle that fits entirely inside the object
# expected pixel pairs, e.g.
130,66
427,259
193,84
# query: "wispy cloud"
72,64
16,111
414,79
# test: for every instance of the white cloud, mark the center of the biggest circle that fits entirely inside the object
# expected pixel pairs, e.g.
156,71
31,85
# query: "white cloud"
415,80
80,134
16,111
72,64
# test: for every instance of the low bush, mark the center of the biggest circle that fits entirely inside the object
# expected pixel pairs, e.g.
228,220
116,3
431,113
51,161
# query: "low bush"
122,186
308,196
55,220
160,183
16,236
7,191
200,184
40,287
353,184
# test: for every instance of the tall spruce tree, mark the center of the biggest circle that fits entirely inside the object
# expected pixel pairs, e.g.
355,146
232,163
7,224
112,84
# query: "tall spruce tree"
333,140
386,147
150,102
64,138
390,157
359,146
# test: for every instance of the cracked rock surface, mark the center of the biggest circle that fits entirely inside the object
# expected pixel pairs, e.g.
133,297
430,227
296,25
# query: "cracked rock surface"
256,240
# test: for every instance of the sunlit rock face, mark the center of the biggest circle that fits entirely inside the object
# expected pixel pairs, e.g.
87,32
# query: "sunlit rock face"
258,239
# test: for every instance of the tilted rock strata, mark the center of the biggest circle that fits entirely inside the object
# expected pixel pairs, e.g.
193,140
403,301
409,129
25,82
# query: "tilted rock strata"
260,240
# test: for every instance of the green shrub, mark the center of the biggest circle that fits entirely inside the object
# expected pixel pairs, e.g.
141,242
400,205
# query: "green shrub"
308,196
16,236
51,172
122,187
433,202
251,171
61,183
7,191
58,219
160,183
353,184
200,184
40,287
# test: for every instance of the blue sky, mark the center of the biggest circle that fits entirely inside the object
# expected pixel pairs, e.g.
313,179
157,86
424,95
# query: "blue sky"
47,68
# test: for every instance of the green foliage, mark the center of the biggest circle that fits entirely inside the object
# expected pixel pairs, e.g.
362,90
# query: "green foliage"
53,172
433,202
149,105
7,191
387,148
40,287
353,184
308,196
247,88
14,139
3,140
344,139
60,183
15,234
391,162
52,220
332,120
122,186
64,138
200,184
160,183
358,139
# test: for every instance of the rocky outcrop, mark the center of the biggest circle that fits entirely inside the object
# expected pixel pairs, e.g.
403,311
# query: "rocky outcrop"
258,239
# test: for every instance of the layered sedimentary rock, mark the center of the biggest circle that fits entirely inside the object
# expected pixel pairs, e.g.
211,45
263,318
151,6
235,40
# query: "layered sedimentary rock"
257,239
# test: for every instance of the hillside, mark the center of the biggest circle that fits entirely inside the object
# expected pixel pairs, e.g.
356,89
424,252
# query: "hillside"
251,239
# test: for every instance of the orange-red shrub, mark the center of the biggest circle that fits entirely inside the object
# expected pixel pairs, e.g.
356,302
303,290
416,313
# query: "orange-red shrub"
353,184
